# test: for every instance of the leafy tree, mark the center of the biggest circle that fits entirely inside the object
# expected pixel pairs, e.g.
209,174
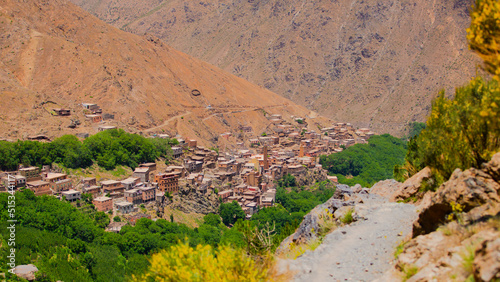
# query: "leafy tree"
415,128
212,219
367,163
231,212
287,180
461,132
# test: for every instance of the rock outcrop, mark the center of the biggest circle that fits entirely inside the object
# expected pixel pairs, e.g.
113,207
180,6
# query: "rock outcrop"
311,226
26,271
189,200
468,246
411,186
311,177
465,190
386,188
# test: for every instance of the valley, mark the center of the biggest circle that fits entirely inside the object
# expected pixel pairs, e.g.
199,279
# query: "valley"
374,64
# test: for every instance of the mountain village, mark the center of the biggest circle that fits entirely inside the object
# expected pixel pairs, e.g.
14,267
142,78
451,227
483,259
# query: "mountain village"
245,173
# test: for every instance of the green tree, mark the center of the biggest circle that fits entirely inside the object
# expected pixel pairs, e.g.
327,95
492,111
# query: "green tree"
212,219
231,212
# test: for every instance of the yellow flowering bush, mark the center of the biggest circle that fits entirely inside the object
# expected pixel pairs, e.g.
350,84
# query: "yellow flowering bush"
484,34
461,132
184,263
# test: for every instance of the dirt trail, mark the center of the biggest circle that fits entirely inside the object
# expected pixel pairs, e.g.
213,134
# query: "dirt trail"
362,251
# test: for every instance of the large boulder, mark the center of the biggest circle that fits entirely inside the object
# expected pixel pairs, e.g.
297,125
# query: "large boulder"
26,271
310,225
386,188
465,190
411,186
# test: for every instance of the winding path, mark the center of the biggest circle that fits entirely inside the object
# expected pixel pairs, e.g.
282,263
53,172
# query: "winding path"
362,251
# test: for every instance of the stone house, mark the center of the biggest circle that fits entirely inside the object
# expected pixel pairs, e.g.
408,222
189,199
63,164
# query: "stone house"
72,195
113,187
103,204
168,182
31,173
124,207
39,187
142,173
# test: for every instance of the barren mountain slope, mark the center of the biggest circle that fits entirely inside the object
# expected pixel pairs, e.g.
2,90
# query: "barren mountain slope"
371,62
54,54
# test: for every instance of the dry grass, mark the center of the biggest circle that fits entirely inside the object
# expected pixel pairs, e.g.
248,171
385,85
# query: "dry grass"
192,220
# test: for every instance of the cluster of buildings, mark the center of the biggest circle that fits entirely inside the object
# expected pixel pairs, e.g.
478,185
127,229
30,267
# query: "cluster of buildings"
246,175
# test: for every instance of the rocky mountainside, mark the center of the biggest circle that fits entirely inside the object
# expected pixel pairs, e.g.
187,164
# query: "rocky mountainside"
373,63
457,233
56,55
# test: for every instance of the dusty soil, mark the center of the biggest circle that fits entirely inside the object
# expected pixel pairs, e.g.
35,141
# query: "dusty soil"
362,251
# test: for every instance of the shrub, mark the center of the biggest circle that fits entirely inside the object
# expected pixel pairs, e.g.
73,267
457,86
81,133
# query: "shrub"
484,34
461,132
184,263
347,218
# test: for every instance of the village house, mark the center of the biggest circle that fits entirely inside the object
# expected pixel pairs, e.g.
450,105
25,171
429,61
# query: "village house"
39,187
254,142
89,181
168,182
18,181
176,152
72,195
103,204
105,127
246,129
295,170
151,166
94,190
148,193
62,112
133,196
192,143
134,218
91,107
58,182
124,207
95,118
130,182
224,195
142,173
112,187
31,173
333,179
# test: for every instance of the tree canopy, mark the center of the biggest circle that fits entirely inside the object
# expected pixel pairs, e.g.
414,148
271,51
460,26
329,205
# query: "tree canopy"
366,163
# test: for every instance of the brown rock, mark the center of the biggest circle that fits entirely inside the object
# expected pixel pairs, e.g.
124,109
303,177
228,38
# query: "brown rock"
487,260
493,167
385,188
357,188
26,271
470,189
411,186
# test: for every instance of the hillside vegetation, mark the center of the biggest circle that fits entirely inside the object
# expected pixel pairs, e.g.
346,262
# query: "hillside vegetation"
463,131
68,242
366,163
108,149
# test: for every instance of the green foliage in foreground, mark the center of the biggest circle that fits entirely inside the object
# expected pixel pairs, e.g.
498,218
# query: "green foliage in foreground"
366,163
69,245
462,132
108,149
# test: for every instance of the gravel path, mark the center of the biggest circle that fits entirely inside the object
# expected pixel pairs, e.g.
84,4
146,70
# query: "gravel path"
362,251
